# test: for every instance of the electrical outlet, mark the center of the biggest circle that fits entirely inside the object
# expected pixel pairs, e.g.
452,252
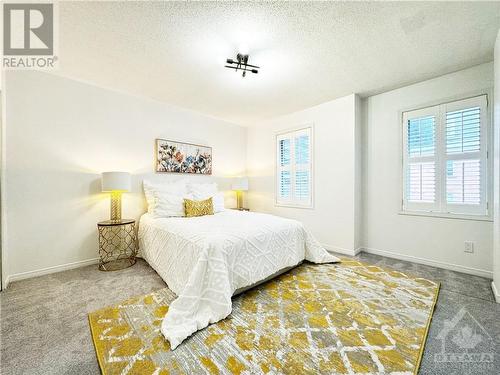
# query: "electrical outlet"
469,247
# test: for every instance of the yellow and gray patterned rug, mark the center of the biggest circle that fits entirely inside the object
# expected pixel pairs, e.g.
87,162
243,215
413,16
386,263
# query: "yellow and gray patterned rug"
347,318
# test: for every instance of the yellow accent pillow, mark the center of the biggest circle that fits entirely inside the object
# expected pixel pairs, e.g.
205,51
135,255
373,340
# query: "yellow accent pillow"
198,208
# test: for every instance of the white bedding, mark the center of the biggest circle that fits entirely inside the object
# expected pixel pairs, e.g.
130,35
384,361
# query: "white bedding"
205,259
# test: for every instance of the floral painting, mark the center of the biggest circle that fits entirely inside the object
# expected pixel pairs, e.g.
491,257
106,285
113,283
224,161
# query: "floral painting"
180,157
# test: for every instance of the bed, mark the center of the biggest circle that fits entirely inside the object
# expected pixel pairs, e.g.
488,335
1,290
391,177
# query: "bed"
206,260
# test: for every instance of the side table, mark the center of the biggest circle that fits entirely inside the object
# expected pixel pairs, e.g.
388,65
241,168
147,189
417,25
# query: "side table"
117,244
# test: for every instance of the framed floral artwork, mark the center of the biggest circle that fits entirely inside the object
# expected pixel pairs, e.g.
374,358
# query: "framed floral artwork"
179,157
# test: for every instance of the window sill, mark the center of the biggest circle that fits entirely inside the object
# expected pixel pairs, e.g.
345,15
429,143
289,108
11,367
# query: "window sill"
291,205
443,215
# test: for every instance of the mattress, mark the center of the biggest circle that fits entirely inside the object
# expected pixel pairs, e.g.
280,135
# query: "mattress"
205,260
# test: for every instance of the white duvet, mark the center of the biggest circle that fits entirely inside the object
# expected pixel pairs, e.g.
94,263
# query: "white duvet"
204,260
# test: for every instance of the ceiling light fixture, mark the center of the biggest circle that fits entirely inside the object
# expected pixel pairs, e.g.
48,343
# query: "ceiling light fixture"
242,64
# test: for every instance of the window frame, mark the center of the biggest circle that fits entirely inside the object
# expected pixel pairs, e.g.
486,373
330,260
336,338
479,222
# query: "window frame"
441,208
292,202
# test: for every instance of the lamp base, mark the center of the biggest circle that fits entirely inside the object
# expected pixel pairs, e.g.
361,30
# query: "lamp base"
239,199
116,206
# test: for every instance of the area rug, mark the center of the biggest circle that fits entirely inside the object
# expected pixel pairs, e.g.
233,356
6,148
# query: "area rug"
346,318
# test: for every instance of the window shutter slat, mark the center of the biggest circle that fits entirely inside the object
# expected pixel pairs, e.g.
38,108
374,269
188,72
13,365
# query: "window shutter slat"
302,184
463,131
285,184
284,149
302,149
463,181
421,181
421,136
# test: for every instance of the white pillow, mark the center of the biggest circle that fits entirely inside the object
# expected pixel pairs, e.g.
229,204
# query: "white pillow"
167,205
204,191
151,189
218,202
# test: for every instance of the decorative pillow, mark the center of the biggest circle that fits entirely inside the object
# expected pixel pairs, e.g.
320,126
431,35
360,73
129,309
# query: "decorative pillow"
153,190
207,190
198,208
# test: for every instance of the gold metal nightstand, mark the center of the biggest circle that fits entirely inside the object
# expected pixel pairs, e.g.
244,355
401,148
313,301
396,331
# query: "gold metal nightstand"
117,244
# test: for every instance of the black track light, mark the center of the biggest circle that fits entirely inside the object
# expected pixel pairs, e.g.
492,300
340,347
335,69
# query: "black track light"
242,64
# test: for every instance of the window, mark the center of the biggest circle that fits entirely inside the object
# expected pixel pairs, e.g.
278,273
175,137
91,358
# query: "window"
294,168
445,165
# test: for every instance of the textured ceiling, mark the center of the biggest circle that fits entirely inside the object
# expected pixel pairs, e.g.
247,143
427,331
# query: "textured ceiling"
310,53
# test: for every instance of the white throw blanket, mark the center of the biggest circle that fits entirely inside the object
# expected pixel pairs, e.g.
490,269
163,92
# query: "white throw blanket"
205,259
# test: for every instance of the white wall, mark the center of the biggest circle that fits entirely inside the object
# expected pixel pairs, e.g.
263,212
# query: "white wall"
61,134
437,240
496,169
358,177
332,220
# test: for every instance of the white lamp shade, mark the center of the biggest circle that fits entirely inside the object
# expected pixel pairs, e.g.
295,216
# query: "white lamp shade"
240,183
115,181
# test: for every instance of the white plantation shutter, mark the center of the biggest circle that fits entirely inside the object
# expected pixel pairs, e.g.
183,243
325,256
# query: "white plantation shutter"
420,159
294,172
285,183
463,182
445,158
465,160
285,191
421,182
302,165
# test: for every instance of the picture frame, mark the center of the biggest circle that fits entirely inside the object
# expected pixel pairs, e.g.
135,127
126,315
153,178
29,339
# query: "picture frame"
182,157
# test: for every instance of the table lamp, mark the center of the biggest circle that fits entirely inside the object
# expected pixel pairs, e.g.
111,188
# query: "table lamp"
240,185
116,183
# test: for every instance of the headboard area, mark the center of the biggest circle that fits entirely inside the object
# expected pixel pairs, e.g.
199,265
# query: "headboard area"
134,202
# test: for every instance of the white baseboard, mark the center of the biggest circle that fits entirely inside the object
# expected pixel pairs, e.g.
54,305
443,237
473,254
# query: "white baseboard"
6,282
430,262
48,270
341,250
496,292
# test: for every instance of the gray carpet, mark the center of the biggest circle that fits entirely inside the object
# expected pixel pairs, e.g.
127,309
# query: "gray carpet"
462,296
44,327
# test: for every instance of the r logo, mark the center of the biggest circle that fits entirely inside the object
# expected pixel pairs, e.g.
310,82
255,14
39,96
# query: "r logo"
28,29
